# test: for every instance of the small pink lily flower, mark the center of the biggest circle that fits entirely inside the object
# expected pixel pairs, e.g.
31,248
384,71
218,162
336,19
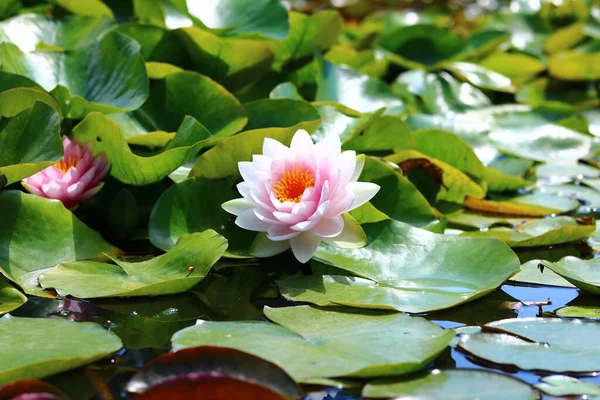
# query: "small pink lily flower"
297,195
77,177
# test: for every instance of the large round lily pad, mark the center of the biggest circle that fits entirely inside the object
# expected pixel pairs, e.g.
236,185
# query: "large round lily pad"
38,347
546,344
407,269
461,384
314,343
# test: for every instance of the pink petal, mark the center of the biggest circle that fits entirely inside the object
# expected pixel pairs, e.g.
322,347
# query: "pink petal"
55,190
329,227
32,189
304,246
280,232
91,192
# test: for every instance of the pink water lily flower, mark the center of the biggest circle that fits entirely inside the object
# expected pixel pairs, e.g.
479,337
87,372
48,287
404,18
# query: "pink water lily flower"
76,177
297,195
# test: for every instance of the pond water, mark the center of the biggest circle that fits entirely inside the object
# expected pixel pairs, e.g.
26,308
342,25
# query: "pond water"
146,324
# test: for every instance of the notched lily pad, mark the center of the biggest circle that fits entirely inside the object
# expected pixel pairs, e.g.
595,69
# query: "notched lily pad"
314,343
540,344
585,274
180,269
72,344
406,269
456,384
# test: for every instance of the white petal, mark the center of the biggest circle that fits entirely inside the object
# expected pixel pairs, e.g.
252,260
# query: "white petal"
248,220
264,247
346,165
246,170
360,164
237,206
332,144
262,163
329,227
304,226
304,246
363,192
274,149
301,142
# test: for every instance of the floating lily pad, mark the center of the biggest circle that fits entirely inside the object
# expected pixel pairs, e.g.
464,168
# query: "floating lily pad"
106,136
267,17
560,385
406,269
59,345
452,385
10,297
68,33
307,34
33,137
589,196
107,76
359,92
585,274
38,234
588,312
180,269
543,232
531,272
315,343
545,344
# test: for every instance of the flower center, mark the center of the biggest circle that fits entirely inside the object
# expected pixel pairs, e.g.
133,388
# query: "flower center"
64,165
292,184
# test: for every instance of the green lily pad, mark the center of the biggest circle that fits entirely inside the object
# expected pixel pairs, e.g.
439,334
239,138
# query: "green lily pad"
348,124
222,160
30,141
588,312
500,182
481,77
234,62
566,172
315,343
452,385
543,232
589,196
189,93
82,76
442,93
575,66
277,113
531,272
402,201
456,184
406,45
68,33
13,101
10,297
356,91
406,269
266,17
129,168
545,344
59,345
308,33
517,66
38,234
180,211
382,133
481,221
541,90
560,385
450,149
585,274
180,269
94,8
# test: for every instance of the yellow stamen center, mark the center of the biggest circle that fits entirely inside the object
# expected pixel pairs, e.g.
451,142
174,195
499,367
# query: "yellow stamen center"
292,184
65,164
